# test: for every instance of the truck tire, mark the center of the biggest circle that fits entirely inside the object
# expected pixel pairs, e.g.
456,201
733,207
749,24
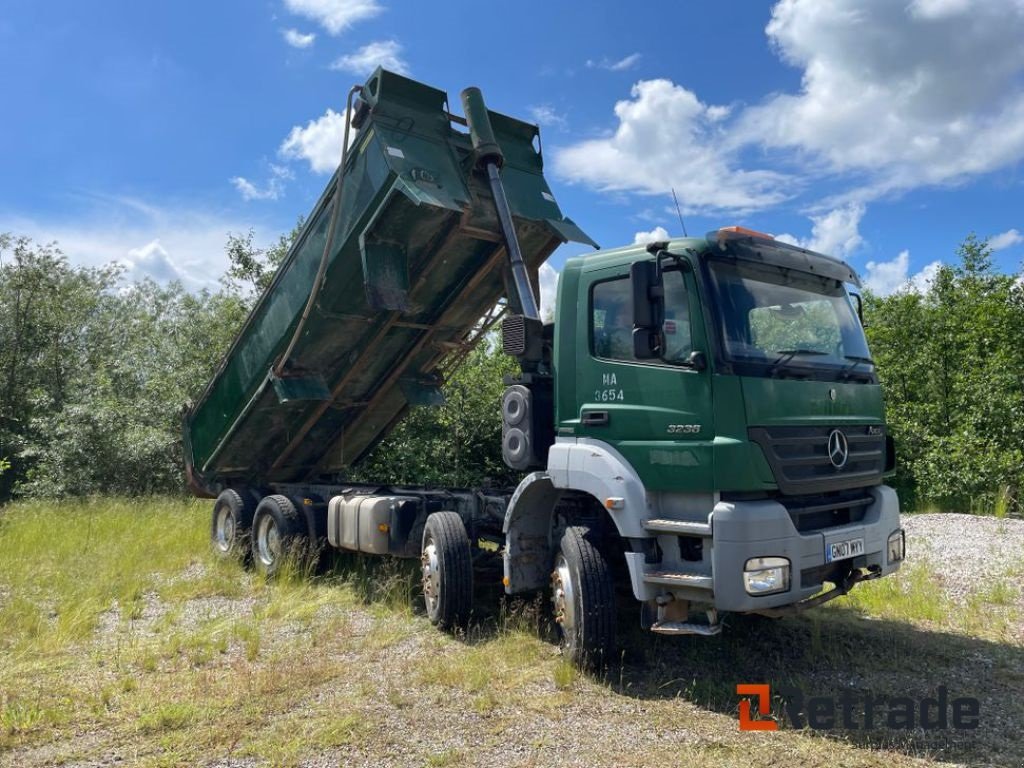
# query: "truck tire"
583,600
277,532
231,524
446,563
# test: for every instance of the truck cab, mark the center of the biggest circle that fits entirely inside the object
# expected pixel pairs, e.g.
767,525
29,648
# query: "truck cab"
716,399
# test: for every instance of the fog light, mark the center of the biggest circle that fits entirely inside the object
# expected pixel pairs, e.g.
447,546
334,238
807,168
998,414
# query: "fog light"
897,548
766,575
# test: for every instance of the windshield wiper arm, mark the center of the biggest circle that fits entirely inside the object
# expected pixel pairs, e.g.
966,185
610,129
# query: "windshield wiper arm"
785,355
855,360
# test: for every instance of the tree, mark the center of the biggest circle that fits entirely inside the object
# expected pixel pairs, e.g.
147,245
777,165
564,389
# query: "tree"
456,444
252,268
951,363
45,311
94,372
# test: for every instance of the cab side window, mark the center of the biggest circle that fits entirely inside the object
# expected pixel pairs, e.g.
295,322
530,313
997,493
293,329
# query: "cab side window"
612,319
675,331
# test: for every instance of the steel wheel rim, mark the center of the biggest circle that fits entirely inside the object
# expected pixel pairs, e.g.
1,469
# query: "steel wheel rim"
431,571
225,529
268,541
563,599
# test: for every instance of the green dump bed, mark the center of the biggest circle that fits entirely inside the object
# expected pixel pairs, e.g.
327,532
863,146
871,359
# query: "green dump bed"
418,259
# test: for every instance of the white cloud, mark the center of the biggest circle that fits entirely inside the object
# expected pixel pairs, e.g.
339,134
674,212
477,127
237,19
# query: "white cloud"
668,138
381,53
547,279
939,9
151,260
335,15
270,190
922,280
615,65
903,94
893,96
162,242
318,142
656,234
250,191
1007,239
835,233
887,277
546,115
297,39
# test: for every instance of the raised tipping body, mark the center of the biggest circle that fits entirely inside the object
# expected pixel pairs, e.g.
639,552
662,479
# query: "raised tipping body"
418,259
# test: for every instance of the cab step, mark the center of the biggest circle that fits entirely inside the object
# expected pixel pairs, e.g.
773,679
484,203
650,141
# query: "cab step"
676,579
678,527
685,628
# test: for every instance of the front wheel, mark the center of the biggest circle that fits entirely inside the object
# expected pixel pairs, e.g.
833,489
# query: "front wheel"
583,599
446,565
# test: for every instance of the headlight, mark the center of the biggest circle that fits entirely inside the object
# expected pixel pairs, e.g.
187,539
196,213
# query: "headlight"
766,575
897,546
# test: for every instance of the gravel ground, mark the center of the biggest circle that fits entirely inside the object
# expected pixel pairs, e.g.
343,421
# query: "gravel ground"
968,551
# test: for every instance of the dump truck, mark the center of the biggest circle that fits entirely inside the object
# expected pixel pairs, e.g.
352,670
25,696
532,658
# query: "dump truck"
700,425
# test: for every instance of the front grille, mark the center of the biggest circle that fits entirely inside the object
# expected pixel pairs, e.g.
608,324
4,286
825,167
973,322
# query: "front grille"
799,457
818,512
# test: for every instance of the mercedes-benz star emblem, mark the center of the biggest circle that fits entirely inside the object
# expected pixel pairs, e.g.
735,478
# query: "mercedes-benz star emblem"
838,449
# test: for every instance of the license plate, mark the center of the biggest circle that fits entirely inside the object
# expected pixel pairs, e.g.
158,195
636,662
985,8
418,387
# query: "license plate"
842,550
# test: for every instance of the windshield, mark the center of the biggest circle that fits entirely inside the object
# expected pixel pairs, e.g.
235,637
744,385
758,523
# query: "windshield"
784,319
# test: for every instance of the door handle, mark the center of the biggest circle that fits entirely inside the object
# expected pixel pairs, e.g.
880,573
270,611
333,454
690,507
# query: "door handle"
595,418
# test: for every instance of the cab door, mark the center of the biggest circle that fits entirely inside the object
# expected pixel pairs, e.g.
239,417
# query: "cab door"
656,413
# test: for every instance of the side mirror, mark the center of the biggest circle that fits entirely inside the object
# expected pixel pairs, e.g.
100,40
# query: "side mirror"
860,309
648,309
697,361
646,281
646,343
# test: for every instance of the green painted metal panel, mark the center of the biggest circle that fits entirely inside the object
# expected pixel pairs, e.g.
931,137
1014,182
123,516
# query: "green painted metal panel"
417,260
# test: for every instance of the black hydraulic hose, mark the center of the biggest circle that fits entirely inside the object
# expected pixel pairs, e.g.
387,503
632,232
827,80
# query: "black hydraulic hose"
332,227
524,289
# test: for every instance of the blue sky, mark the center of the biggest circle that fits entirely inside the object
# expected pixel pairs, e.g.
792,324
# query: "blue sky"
879,131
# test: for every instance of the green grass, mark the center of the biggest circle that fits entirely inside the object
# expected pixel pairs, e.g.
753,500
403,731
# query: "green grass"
68,563
120,624
912,595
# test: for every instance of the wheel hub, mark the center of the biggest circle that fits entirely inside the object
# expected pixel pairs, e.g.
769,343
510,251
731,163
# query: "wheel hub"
225,529
563,601
268,542
430,569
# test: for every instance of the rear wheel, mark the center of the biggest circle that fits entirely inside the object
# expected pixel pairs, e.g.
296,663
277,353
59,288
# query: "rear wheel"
446,564
231,524
583,599
277,534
